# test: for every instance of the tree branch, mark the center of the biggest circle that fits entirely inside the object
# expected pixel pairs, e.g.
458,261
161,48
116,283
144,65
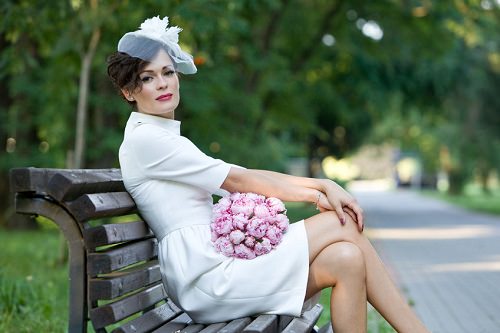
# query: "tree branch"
267,36
324,26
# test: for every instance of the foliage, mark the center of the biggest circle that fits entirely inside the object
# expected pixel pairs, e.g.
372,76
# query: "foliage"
472,198
277,79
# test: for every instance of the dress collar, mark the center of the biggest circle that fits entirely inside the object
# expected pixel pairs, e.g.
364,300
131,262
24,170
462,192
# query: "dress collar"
171,125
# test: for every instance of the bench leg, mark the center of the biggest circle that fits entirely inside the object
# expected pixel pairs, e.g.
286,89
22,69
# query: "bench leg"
77,321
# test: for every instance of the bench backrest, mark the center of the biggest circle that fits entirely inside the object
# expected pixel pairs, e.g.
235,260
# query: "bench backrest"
114,276
113,254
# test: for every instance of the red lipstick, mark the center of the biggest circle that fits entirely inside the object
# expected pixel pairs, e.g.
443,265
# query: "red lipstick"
165,97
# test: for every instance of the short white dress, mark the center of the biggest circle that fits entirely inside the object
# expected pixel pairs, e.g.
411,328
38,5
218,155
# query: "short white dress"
172,182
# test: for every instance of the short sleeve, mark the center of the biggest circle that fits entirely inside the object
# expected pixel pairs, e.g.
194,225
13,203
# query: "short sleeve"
164,155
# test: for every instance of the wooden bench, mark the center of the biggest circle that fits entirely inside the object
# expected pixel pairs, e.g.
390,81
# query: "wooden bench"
114,276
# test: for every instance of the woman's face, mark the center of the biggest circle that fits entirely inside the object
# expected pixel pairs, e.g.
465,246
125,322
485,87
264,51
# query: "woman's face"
159,94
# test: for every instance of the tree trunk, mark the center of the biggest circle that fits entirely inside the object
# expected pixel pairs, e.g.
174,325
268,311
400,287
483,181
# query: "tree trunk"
81,113
457,179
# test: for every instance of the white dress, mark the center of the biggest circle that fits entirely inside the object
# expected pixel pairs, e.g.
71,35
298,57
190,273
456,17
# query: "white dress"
172,182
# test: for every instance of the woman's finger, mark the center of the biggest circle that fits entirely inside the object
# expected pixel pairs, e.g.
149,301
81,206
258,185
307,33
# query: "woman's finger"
340,213
355,217
359,214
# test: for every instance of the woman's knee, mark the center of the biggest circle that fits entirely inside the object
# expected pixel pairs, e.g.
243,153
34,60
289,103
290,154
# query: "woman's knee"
348,232
341,261
325,229
347,258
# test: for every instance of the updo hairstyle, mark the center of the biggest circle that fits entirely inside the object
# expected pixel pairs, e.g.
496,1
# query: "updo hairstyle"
124,71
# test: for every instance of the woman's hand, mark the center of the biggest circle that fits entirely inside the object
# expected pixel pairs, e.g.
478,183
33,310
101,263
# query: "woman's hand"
334,197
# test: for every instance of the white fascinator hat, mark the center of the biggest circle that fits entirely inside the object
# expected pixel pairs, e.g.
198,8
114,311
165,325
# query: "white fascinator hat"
152,35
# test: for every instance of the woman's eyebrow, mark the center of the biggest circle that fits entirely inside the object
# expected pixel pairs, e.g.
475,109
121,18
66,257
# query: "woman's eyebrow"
152,71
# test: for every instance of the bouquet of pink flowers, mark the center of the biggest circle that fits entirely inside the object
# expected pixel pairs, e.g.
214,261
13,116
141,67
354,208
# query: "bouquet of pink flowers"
247,225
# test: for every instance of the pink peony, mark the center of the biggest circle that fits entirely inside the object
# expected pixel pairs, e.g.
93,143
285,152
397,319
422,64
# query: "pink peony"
274,234
282,222
222,206
224,246
222,224
235,196
246,225
275,205
263,247
243,206
243,252
261,211
257,227
215,235
257,198
236,236
250,241
240,221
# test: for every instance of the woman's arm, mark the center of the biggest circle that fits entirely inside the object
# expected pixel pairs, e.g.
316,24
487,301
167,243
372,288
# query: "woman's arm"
326,194
301,181
249,180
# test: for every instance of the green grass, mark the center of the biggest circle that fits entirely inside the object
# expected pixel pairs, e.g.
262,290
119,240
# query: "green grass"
34,285
472,198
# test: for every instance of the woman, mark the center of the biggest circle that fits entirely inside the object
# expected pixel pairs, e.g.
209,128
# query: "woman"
172,182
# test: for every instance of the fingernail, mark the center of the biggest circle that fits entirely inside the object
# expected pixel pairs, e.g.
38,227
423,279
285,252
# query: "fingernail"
342,220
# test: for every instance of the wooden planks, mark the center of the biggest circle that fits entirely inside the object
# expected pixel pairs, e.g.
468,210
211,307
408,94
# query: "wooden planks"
121,256
120,283
97,205
116,233
151,319
116,311
120,275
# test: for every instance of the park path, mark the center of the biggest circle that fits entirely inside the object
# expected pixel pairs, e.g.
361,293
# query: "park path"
445,259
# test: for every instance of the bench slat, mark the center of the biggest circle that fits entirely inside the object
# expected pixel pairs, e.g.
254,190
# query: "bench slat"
66,186
236,325
326,329
113,312
176,324
38,179
283,322
121,256
96,205
31,179
115,233
119,283
151,319
213,328
193,328
306,322
263,324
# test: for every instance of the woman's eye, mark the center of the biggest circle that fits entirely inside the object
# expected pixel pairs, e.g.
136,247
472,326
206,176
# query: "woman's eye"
169,73
146,79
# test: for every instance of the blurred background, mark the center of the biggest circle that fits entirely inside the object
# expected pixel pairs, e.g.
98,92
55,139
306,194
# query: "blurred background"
386,94
405,91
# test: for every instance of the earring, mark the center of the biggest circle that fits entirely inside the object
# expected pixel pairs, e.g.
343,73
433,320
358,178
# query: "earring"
130,99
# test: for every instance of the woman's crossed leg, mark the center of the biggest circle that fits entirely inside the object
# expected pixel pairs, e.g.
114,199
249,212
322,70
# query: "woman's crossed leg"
342,257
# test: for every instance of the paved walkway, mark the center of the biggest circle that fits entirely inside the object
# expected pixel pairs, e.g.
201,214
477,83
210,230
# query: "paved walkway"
446,259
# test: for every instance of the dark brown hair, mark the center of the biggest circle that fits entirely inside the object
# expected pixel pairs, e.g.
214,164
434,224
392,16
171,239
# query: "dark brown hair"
124,71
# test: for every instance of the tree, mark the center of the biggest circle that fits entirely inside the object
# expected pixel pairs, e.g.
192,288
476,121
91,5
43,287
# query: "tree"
277,79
